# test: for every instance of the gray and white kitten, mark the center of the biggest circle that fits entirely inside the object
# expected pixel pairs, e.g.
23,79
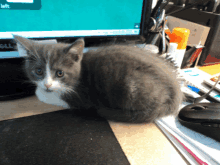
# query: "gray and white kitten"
123,83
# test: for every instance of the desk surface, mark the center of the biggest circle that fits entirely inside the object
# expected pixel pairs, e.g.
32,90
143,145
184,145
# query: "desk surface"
141,143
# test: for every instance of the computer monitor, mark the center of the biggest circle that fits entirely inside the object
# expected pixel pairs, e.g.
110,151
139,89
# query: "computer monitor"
50,19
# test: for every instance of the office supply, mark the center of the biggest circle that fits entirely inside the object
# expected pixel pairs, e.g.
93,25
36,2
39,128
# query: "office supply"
186,63
193,88
215,78
195,56
172,49
211,69
189,93
202,148
180,36
203,118
171,52
197,100
205,148
195,77
211,81
167,30
191,153
206,19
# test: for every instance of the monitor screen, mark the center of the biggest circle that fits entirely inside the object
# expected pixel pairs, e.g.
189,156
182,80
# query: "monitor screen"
69,18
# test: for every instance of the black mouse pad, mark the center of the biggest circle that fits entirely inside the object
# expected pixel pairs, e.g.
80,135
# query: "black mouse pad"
59,138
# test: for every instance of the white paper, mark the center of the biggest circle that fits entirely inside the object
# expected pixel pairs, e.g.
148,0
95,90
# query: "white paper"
207,149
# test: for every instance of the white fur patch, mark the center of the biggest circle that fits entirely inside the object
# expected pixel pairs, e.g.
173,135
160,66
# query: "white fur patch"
22,51
57,88
50,98
48,78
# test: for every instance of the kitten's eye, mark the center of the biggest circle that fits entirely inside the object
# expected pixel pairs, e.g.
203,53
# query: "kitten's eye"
39,71
59,73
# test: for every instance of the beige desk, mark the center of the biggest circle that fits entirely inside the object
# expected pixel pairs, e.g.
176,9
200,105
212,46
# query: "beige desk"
143,144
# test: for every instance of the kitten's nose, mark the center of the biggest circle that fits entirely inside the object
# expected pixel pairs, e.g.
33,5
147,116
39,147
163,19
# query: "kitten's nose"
47,85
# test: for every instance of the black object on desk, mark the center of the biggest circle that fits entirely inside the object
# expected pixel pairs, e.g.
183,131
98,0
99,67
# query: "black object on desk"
14,84
203,118
59,138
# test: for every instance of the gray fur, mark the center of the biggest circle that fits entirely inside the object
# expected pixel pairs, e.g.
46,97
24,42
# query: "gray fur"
123,83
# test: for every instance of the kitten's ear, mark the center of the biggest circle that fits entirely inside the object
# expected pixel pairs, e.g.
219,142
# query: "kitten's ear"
23,45
76,49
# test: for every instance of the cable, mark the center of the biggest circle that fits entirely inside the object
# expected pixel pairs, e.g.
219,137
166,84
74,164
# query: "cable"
198,99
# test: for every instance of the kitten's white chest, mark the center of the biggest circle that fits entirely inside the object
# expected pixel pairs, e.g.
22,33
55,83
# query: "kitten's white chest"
50,98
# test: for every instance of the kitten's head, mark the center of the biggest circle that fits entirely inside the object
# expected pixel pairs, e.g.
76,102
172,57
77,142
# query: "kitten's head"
52,67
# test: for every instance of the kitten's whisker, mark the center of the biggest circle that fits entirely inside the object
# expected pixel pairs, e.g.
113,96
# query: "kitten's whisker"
71,90
30,60
68,93
35,57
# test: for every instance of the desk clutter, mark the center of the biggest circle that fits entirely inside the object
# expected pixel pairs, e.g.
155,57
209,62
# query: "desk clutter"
186,34
196,147
199,69
199,82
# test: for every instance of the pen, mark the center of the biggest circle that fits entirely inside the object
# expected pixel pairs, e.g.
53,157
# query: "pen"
194,89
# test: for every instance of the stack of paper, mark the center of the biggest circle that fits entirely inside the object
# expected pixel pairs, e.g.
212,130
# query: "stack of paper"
195,147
